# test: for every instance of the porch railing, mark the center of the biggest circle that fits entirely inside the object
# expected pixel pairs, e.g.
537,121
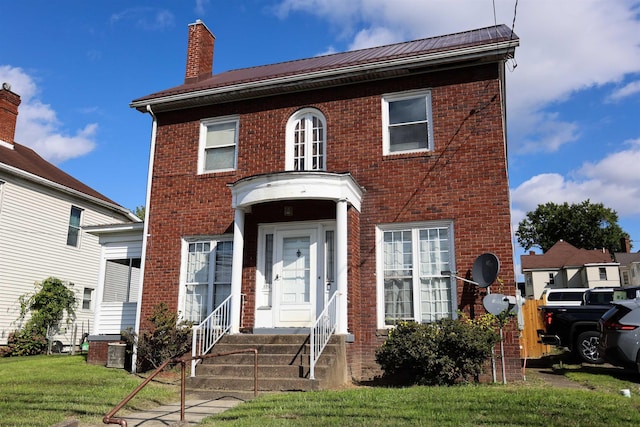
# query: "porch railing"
321,332
209,332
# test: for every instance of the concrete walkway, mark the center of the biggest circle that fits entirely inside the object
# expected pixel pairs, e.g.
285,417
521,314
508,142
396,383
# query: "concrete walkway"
169,415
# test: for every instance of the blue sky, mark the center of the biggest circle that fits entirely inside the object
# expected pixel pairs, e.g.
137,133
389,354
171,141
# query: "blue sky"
573,89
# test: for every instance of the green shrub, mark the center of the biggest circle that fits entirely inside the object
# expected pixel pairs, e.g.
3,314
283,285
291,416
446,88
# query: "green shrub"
440,353
166,339
26,342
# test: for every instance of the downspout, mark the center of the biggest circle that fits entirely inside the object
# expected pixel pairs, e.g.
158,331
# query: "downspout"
145,233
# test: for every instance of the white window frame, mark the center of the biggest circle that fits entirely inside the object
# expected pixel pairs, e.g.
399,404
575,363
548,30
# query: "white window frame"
89,300
211,273
416,274
202,148
306,114
386,138
77,228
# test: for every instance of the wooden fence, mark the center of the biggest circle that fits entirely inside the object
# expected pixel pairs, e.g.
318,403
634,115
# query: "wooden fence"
530,347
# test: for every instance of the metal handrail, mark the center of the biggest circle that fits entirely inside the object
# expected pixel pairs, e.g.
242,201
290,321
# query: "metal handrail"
108,419
321,332
209,332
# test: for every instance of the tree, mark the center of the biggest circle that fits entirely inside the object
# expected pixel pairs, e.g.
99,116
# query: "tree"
47,307
140,211
585,225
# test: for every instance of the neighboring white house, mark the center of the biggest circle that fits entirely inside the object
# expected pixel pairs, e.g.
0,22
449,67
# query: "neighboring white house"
43,212
119,280
565,266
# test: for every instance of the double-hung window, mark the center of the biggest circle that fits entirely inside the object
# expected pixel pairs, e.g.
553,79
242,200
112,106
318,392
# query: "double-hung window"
411,259
73,233
218,144
407,125
208,276
306,141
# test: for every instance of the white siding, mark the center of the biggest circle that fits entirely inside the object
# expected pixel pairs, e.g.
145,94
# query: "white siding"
114,317
34,222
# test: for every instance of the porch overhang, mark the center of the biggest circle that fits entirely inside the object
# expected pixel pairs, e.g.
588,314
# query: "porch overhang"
296,186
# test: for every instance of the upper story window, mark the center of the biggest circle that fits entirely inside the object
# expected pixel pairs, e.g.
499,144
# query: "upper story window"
407,123
218,144
73,234
306,141
602,271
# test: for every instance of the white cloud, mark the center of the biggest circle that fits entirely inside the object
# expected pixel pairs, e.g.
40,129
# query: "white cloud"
146,18
613,181
201,6
38,127
625,91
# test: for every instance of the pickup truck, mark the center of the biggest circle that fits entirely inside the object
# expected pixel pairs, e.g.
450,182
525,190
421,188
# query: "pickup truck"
576,327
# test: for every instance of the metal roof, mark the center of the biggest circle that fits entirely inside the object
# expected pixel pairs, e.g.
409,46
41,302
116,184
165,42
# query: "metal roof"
340,68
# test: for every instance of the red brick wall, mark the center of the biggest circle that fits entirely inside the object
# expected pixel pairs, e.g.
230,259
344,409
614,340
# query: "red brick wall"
464,180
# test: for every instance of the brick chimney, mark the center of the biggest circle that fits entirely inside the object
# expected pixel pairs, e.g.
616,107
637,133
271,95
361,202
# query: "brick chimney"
625,244
9,103
199,52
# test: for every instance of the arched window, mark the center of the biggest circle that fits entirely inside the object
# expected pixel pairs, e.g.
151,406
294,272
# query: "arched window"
306,141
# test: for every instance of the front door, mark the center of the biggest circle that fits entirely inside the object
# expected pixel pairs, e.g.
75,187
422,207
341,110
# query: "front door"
295,277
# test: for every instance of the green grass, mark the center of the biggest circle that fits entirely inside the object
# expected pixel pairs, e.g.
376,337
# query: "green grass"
525,404
45,390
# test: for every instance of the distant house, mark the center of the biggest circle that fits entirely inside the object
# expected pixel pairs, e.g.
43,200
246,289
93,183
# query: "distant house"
629,265
335,187
565,266
43,212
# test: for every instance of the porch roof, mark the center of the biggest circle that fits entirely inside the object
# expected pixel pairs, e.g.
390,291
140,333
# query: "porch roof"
296,186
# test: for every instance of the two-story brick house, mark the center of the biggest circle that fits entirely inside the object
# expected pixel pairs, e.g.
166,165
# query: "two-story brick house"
363,175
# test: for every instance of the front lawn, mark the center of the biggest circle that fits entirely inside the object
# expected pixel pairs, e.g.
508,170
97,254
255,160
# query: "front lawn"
45,390
524,404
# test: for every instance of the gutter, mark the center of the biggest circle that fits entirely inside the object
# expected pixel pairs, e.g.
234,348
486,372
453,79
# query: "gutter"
501,48
145,232
47,183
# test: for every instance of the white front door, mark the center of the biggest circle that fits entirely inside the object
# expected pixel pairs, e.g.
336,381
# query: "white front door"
295,278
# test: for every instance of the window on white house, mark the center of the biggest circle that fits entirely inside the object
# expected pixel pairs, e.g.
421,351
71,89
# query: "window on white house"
306,141
407,123
87,297
73,233
603,273
552,279
412,259
208,277
218,144
625,278
121,280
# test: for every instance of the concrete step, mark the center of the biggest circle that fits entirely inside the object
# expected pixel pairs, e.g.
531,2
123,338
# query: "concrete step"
283,365
264,371
195,384
264,359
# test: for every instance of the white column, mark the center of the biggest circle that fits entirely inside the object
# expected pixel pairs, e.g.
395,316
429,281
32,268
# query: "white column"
236,270
342,266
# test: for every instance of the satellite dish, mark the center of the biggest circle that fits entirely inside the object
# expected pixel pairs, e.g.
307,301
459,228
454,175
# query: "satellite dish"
495,303
485,269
